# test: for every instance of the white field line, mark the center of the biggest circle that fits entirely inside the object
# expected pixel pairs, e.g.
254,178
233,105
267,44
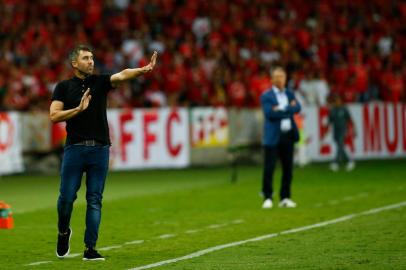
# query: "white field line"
135,242
166,236
73,255
111,247
216,226
272,235
237,221
38,263
345,199
192,231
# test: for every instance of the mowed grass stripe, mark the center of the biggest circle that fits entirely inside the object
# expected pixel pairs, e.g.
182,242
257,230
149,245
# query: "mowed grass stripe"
177,202
272,235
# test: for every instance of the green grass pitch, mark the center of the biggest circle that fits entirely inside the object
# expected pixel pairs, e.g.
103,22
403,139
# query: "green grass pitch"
156,215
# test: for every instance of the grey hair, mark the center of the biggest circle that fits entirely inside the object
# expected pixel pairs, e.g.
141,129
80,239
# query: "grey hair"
278,68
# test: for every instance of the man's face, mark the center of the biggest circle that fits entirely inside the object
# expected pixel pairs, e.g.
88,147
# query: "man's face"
84,62
279,79
338,102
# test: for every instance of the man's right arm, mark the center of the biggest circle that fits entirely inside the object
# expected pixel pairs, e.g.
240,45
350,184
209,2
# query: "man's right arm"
272,111
132,73
58,114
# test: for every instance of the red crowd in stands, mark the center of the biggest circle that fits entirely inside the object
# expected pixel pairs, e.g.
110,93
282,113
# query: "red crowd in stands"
212,53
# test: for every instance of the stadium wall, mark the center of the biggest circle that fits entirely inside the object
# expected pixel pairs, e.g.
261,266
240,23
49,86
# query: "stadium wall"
10,143
379,132
180,137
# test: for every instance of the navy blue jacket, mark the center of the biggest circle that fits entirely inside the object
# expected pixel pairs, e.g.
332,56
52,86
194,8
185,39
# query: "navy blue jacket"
272,118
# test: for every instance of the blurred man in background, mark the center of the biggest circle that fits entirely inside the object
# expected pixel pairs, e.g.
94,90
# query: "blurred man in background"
340,120
81,101
280,134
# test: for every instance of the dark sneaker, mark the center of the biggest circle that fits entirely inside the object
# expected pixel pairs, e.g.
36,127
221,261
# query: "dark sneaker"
91,254
63,247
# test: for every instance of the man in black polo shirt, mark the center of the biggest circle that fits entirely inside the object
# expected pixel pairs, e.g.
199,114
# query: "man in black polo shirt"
81,101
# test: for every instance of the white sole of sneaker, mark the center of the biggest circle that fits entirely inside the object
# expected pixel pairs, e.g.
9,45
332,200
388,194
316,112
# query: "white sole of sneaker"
98,259
67,253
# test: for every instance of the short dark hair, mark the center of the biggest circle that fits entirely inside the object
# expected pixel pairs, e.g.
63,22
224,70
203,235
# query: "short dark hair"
75,52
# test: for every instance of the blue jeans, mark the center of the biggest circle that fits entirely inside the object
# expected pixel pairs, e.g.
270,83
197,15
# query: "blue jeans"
94,161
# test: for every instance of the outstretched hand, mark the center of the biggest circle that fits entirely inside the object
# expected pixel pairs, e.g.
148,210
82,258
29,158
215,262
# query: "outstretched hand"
132,73
84,102
151,64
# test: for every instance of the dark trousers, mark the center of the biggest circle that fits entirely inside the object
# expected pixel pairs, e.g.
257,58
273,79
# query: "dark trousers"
94,161
341,154
283,150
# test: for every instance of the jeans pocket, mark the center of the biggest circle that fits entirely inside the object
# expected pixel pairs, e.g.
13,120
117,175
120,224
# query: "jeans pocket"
67,147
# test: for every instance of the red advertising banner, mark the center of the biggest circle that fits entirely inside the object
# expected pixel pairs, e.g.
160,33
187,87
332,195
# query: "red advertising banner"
379,131
149,138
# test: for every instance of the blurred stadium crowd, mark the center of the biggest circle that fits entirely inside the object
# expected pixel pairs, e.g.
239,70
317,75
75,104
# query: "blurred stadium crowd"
211,52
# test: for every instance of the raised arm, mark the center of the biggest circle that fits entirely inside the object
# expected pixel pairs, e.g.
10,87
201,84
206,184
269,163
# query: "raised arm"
132,73
57,114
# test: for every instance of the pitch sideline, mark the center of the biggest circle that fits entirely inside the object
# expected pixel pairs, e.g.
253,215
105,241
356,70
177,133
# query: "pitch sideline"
272,235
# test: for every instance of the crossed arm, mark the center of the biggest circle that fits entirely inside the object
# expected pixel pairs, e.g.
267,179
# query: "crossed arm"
275,112
58,114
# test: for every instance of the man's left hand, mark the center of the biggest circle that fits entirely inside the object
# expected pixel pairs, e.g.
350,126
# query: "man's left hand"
151,65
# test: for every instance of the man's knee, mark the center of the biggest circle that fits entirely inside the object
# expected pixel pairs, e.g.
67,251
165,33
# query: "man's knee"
94,201
67,198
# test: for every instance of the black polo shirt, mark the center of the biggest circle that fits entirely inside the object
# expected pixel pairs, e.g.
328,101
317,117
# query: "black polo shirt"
91,124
